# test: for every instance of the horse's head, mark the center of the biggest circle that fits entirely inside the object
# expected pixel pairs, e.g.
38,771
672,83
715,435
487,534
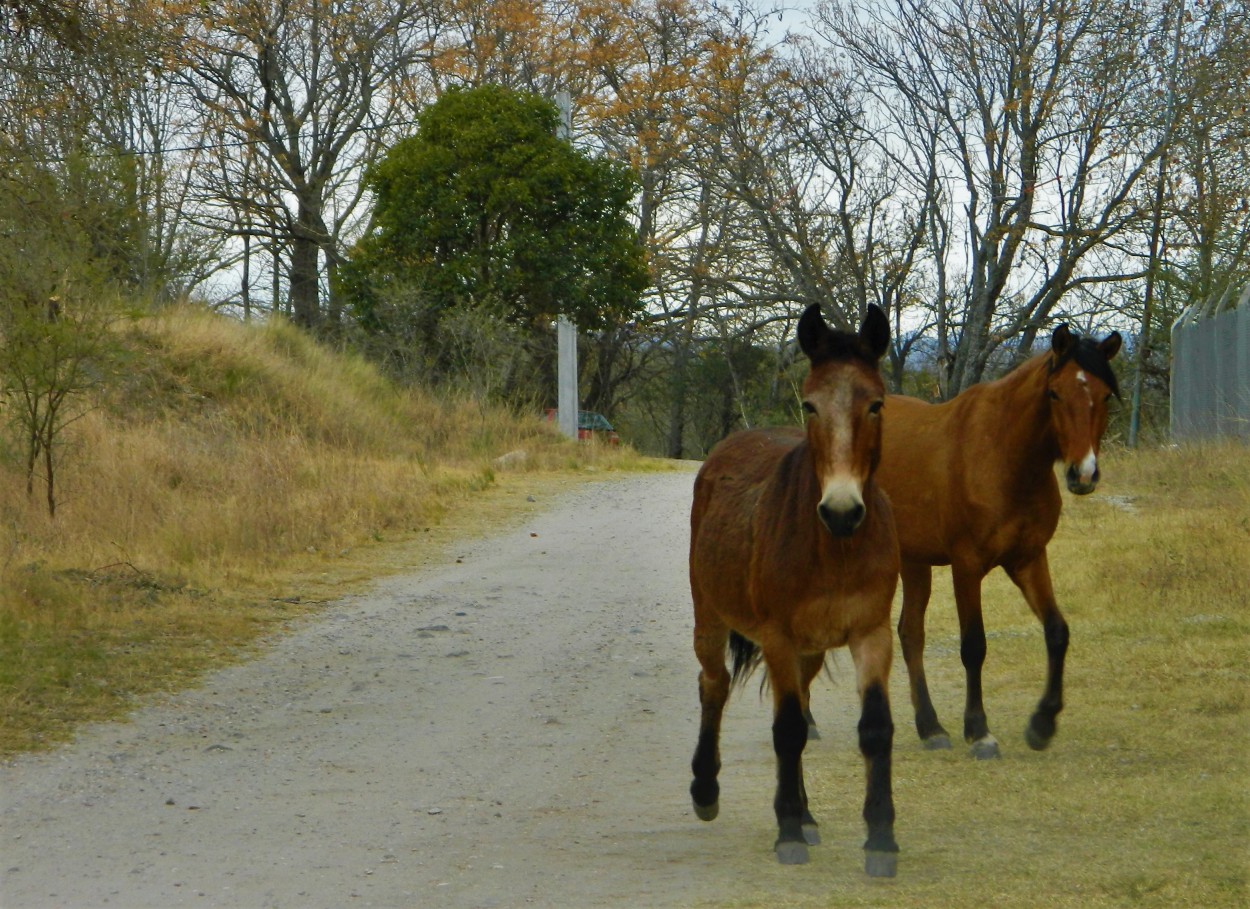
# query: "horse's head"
1079,386
842,398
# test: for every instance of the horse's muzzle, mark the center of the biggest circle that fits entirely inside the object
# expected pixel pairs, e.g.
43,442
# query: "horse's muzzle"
842,522
1078,486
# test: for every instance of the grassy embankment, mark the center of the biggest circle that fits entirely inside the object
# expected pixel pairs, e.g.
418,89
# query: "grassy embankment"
230,480
1143,800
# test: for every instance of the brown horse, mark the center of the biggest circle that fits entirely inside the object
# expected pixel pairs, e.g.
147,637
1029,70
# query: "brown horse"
792,552
973,486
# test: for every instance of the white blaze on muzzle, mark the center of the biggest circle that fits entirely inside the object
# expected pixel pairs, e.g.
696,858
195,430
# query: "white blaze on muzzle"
1088,467
842,507
842,500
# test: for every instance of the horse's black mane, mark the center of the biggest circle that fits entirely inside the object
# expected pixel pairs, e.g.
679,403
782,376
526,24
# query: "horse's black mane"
842,345
1089,357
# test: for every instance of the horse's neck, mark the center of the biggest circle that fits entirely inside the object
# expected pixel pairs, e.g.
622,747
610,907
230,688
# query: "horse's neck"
797,474
795,495
1025,439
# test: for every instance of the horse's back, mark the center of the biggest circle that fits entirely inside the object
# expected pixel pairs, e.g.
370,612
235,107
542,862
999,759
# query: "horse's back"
739,465
753,450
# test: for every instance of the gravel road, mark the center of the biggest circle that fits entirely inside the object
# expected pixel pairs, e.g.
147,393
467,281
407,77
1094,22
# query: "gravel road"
511,728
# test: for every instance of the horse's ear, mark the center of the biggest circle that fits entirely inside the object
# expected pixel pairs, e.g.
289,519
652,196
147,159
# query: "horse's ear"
1110,345
812,331
1061,340
874,334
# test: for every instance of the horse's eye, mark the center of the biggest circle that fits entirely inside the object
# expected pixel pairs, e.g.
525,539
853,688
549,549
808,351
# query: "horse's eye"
875,407
809,408
1054,396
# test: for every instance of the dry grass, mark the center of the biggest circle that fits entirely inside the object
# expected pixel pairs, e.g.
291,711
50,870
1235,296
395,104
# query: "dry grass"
1144,797
231,476
241,475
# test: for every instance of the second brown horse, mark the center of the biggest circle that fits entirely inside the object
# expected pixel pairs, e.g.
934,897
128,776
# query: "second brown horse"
973,486
792,552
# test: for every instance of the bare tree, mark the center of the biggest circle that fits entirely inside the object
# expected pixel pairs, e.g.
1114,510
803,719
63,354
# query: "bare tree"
295,97
848,212
1034,107
1209,183
646,110
79,88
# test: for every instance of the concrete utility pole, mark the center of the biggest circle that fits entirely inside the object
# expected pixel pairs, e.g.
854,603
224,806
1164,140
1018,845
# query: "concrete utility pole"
566,331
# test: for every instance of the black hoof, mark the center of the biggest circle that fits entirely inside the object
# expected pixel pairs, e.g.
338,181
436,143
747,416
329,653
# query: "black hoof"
707,812
1035,741
880,864
1039,732
705,794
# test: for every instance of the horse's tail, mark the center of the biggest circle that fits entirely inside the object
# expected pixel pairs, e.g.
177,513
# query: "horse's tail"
746,656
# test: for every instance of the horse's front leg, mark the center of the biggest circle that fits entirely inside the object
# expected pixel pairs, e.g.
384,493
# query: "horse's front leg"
972,653
873,653
1033,579
789,740
809,667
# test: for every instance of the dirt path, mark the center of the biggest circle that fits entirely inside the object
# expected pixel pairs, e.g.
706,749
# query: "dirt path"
511,729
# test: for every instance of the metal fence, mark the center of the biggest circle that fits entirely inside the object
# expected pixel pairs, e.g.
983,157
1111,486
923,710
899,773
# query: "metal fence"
1211,370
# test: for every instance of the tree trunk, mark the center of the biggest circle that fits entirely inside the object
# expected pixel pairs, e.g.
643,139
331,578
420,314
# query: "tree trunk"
48,466
304,289
680,386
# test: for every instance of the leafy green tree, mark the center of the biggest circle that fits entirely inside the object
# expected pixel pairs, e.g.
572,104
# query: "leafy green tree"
486,207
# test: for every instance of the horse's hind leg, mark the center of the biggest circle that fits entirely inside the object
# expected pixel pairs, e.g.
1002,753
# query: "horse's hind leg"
917,586
972,653
1033,579
810,666
872,653
710,640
